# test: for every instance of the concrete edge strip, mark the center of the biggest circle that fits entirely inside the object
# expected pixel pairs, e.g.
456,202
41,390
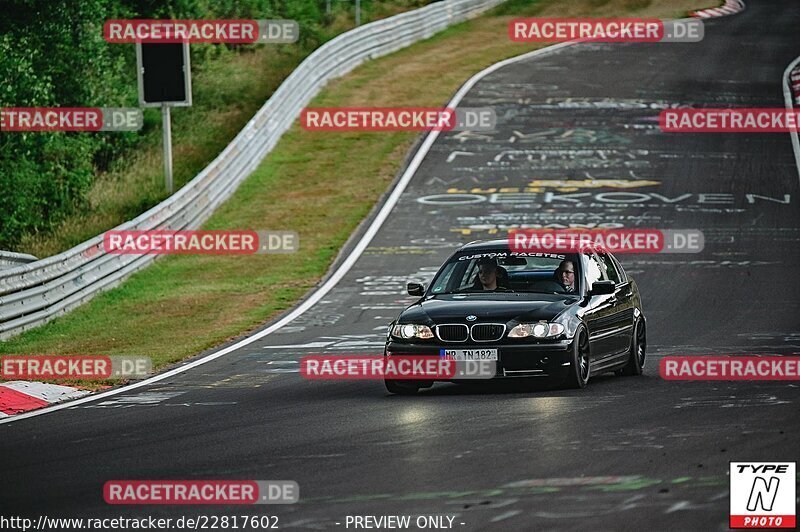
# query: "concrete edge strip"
731,7
25,396
794,75
49,392
789,99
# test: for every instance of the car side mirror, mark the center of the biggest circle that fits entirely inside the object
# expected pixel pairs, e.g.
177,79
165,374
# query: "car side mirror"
415,289
600,288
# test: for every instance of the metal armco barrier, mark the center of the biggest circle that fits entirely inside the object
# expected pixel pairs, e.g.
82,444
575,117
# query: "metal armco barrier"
9,259
39,291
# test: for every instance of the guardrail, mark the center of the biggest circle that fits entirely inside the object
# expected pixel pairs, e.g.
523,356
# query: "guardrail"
9,259
35,293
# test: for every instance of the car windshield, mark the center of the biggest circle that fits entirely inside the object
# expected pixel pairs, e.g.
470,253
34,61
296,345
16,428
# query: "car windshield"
507,271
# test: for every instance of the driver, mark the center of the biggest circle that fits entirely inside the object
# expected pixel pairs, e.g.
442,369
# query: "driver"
565,275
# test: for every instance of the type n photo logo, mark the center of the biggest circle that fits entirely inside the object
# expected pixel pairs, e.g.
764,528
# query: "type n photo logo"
763,495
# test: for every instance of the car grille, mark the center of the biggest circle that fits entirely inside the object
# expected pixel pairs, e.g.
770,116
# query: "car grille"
487,332
480,332
453,332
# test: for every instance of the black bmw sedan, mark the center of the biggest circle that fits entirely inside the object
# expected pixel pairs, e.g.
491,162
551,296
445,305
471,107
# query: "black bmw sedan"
563,316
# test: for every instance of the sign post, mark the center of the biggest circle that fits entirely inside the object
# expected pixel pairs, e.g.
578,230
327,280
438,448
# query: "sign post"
166,127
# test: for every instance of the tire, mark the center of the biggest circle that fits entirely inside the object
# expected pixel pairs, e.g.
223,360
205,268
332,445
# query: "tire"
400,387
637,353
579,368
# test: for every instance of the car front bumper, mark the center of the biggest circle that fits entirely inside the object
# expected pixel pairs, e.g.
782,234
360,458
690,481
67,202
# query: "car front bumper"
550,359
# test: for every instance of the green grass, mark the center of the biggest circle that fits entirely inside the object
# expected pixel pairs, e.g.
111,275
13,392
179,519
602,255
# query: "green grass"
318,184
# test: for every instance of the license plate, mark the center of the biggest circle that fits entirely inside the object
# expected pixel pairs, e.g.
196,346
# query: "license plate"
469,354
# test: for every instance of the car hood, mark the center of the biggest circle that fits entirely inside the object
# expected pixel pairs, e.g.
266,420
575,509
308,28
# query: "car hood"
487,307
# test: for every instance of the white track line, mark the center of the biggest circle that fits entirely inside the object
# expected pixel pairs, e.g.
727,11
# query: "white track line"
334,279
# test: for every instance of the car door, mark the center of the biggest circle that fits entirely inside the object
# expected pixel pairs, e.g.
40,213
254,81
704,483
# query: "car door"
622,304
600,315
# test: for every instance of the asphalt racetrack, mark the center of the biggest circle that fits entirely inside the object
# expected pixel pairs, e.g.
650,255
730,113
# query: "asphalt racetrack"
635,453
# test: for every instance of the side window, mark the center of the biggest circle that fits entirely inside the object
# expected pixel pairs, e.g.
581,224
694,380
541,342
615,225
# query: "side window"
594,270
623,278
610,269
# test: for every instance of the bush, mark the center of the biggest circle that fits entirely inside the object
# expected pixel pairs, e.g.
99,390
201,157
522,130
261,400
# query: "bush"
52,53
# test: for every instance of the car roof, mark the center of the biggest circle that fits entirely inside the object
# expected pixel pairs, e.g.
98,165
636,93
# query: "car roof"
501,244
483,245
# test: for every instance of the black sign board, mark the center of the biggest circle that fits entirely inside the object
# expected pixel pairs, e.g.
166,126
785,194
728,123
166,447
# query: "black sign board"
164,74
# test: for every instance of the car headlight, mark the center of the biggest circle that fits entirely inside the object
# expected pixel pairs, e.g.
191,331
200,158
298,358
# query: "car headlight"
541,329
412,331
